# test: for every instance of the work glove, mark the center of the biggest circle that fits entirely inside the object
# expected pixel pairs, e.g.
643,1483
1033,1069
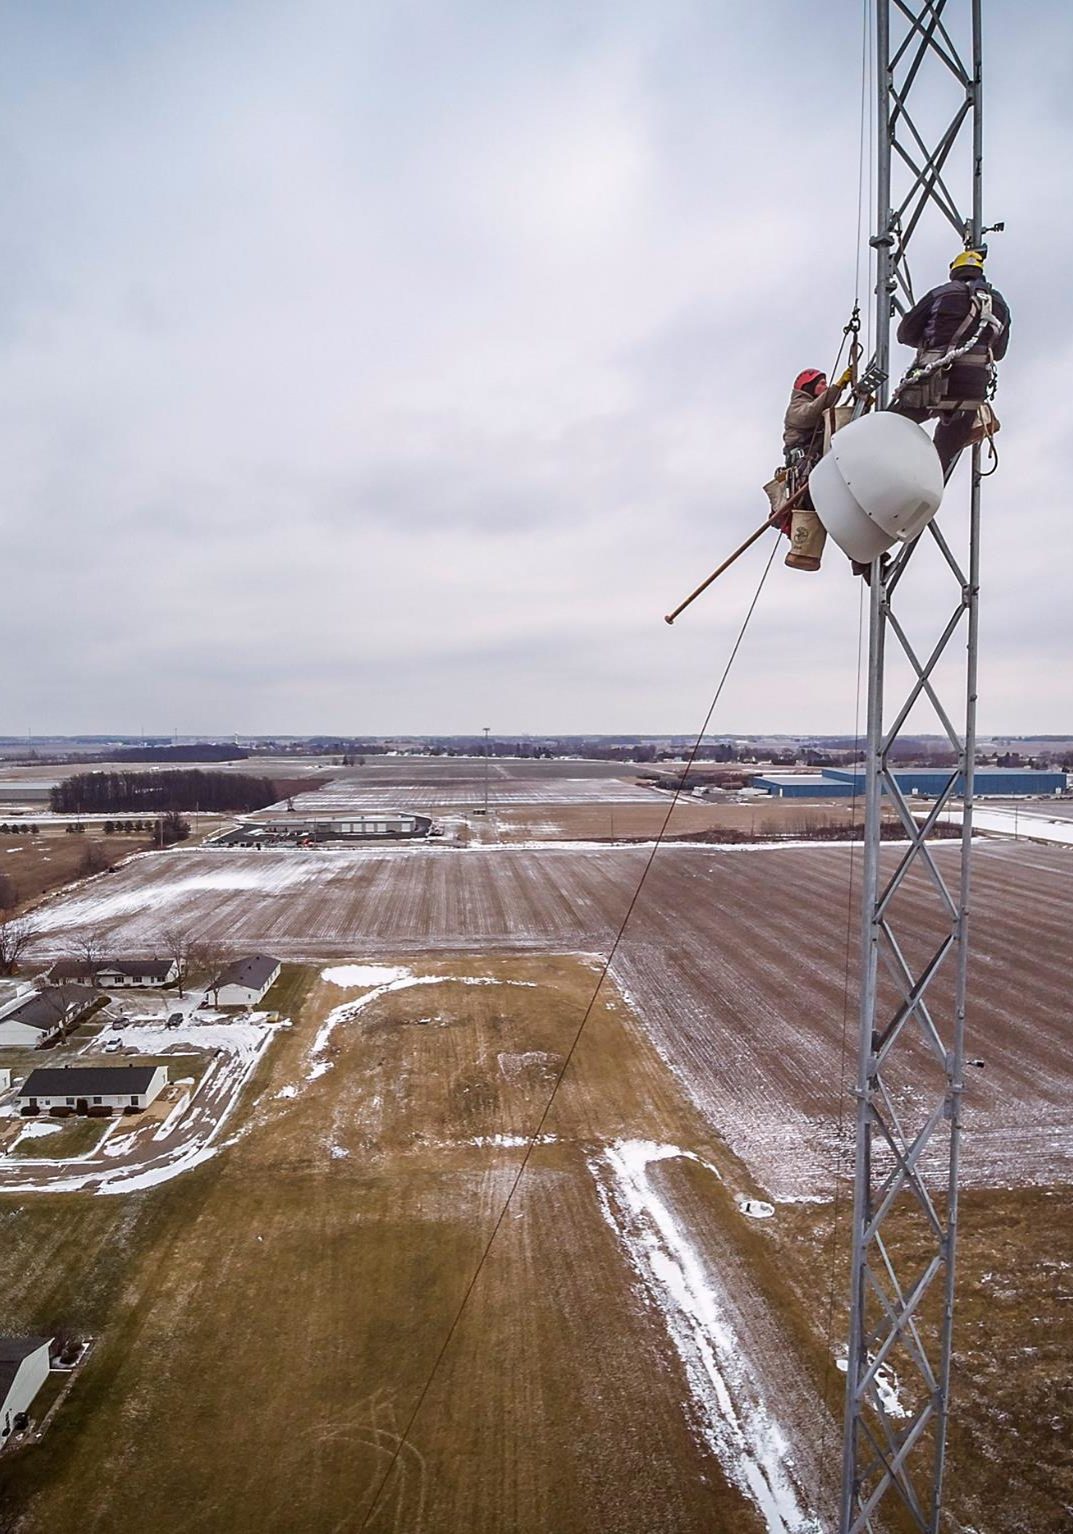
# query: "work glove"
844,379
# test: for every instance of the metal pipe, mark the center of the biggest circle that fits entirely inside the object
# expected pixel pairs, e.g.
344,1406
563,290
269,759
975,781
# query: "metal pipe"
738,552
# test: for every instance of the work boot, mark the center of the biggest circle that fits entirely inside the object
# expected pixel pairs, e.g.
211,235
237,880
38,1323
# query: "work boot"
802,561
865,571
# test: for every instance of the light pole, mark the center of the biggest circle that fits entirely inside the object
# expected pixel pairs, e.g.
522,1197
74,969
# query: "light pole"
486,749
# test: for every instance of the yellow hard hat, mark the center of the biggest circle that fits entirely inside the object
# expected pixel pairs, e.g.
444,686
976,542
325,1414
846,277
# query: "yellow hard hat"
968,258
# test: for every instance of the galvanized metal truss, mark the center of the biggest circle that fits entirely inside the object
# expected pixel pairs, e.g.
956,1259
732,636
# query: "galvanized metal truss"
913,981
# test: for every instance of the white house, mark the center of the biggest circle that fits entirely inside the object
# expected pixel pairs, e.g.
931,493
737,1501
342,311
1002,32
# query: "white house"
23,1370
44,1015
81,1087
115,974
244,983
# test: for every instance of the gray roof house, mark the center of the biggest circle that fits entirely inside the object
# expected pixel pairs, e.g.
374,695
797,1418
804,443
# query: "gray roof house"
115,973
245,982
23,1370
41,1016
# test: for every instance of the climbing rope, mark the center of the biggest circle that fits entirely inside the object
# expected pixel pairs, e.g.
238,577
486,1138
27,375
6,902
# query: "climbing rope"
535,1134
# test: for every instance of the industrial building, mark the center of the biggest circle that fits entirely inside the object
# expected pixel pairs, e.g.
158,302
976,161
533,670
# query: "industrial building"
295,830
924,782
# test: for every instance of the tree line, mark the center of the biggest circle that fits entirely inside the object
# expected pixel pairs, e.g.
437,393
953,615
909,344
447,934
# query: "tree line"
96,793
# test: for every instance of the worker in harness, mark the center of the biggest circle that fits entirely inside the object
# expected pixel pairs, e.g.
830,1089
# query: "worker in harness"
803,445
960,330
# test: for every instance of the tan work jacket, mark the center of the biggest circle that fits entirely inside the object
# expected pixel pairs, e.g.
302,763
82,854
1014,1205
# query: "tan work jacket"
804,414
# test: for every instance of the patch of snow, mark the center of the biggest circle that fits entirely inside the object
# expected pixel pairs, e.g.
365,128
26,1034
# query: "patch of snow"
287,1092
886,1387
513,1065
173,1117
1031,825
36,1130
338,1153
509,1142
351,976
756,1208
727,1397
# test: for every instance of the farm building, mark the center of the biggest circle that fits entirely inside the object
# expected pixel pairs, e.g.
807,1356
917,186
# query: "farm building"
23,1370
928,782
37,1019
5,1078
115,974
244,983
81,1087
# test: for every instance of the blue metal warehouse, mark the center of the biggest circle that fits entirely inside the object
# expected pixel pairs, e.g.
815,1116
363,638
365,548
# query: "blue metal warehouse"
929,781
838,783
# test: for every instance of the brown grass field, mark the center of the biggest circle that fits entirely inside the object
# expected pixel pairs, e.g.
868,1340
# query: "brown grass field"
39,864
265,1325
266,1322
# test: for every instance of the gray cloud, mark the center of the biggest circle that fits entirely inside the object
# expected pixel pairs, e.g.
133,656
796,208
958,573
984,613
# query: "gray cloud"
394,367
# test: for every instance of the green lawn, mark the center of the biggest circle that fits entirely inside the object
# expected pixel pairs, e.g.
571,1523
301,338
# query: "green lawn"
75,1137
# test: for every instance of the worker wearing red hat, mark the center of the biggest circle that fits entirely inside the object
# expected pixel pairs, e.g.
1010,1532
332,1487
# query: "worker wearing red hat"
802,439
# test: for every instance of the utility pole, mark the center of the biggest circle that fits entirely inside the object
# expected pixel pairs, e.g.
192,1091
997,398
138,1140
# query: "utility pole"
486,748
913,987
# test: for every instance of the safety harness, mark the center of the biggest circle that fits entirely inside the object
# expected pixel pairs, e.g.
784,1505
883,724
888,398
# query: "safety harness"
924,385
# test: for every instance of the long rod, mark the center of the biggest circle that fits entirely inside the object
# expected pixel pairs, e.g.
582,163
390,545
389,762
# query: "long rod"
884,232
857,1352
957,1063
776,516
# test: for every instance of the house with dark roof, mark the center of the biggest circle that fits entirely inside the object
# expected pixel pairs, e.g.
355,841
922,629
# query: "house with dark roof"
115,974
23,1370
244,983
45,1015
78,1088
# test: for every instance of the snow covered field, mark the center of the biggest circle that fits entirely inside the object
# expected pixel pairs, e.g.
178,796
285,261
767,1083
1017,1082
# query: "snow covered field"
344,794
735,959
1034,825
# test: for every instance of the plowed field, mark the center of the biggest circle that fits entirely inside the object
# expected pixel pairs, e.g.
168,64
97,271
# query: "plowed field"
736,960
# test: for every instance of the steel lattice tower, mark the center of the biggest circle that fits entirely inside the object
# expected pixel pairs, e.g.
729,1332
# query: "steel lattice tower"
913,978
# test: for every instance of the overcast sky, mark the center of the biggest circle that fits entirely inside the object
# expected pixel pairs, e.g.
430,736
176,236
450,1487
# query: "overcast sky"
395,366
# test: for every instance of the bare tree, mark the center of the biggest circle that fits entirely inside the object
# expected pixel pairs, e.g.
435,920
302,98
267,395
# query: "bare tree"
9,895
206,958
16,937
177,944
95,859
91,950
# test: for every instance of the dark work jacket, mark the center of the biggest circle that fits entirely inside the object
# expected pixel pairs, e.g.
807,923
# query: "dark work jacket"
934,321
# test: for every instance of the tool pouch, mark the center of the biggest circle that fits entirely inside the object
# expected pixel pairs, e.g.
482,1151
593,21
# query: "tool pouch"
778,492
929,393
